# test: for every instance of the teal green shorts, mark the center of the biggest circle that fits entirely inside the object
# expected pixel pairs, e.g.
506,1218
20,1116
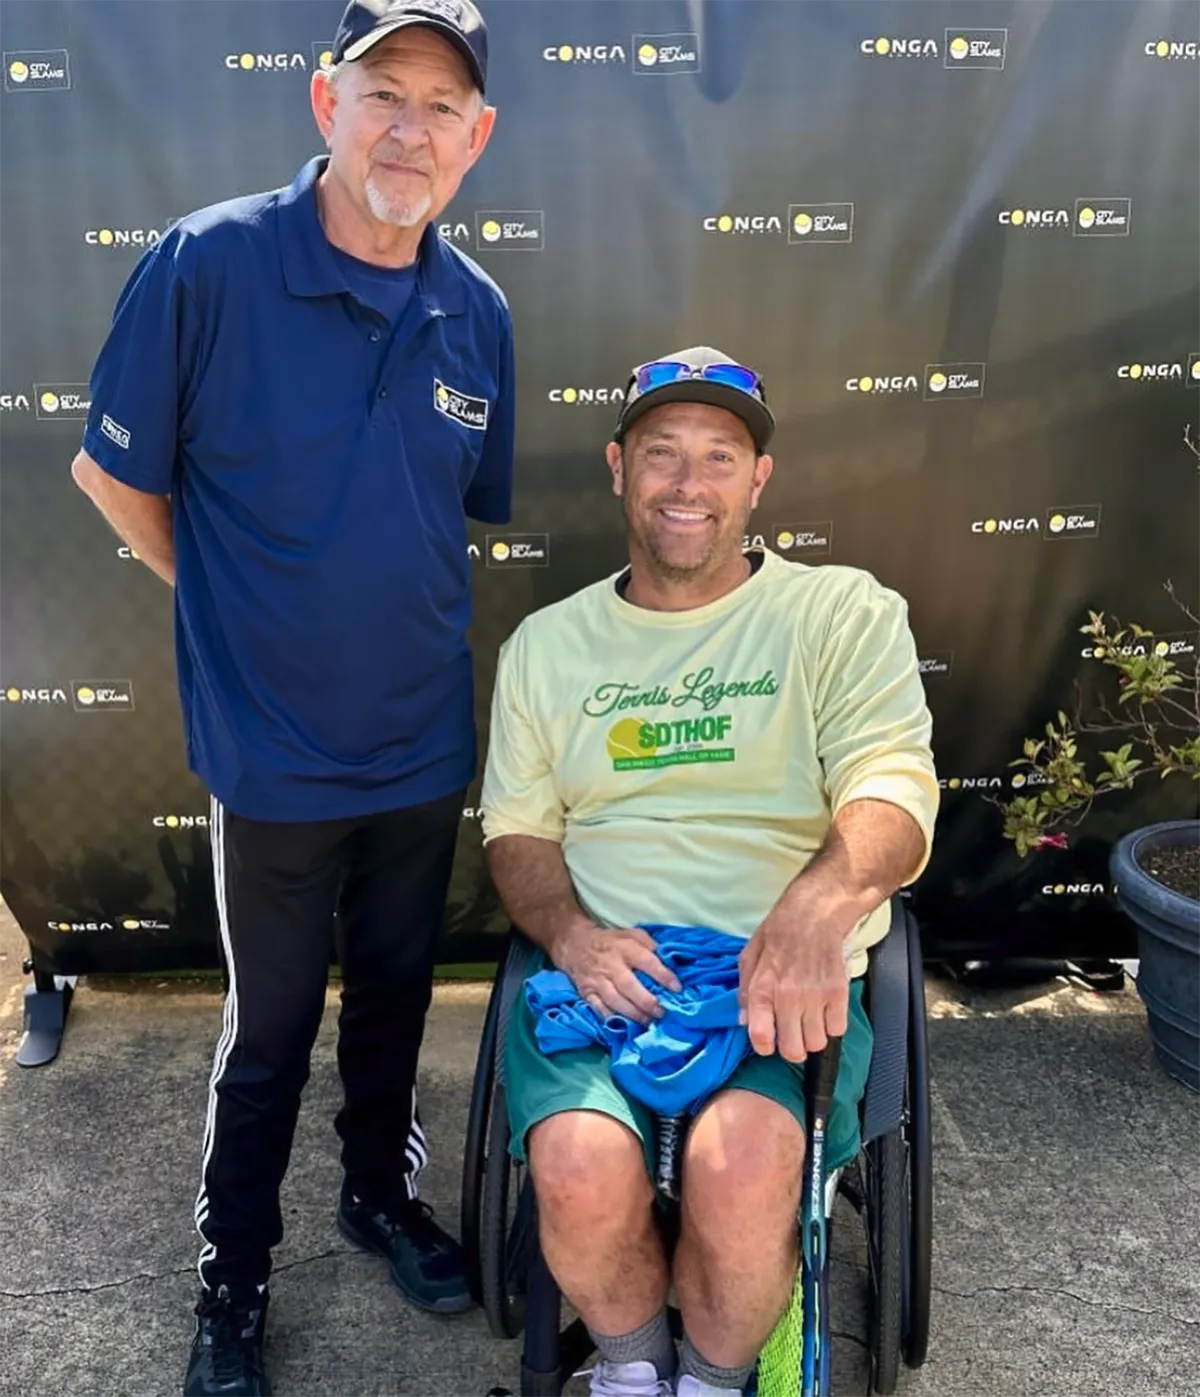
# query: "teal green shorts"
541,1085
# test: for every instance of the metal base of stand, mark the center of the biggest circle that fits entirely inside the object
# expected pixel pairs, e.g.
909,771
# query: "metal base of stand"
1104,976
46,1009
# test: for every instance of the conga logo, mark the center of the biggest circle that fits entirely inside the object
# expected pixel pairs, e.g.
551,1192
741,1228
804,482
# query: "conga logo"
586,397
1073,890
14,402
118,924
102,695
1177,646
1172,372
513,230
587,54
37,70
1172,49
1003,528
636,744
1033,220
62,400
743,223
970,783
179,821
266,62
15,693
122,237
958,48
1103,217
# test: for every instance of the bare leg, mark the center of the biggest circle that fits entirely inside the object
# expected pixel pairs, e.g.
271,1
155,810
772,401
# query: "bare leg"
596,1226
737,1253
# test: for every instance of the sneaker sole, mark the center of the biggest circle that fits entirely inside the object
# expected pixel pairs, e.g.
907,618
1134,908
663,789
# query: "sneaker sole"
450,1305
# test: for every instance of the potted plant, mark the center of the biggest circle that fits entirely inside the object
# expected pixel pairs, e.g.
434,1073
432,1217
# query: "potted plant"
1153,731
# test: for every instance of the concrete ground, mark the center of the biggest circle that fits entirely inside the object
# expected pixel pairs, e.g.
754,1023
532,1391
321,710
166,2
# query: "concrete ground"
1067,1175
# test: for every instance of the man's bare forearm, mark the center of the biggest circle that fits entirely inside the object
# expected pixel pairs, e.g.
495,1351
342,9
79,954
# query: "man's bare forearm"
872,849
142,521
533,882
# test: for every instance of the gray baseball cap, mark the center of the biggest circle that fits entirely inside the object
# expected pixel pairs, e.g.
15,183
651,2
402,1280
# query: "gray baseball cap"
698,375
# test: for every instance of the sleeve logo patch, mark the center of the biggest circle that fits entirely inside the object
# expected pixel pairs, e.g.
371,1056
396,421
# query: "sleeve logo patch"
460,407
115,432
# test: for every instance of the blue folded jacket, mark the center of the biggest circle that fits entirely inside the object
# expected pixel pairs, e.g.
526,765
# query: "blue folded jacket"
675,1063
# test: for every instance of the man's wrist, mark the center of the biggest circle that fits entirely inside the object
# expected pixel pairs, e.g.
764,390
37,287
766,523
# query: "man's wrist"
820,903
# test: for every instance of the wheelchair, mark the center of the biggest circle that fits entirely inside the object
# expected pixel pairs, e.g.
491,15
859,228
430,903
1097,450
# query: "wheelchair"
889,1184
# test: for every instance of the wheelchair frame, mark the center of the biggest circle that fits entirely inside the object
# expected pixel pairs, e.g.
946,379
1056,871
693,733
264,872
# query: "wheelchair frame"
890,1183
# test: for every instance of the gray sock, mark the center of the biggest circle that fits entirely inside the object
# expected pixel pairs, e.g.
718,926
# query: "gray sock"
693,1361
652,1343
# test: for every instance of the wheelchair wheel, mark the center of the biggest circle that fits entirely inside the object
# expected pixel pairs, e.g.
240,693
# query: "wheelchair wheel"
920,1166
508,1226
886,1209
475,1149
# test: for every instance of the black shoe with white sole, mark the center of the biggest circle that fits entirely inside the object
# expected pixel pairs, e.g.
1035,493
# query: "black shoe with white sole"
427,1265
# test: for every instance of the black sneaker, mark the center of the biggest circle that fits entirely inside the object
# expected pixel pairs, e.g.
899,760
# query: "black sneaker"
427,1264
227,1358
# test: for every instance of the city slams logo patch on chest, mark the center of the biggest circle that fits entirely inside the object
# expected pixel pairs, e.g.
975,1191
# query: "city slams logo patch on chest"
645,736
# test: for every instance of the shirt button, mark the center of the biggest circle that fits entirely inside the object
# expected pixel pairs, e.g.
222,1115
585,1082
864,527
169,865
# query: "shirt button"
375,336
383,392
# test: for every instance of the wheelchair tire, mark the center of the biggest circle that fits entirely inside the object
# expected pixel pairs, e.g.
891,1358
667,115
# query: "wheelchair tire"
475,1149
506,1242
887,1255
918,1289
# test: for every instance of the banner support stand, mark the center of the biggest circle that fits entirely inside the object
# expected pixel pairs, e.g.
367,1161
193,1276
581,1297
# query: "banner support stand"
47,1003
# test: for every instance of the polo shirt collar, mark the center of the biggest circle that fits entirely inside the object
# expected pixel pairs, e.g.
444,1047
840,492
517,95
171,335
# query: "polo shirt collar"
309,268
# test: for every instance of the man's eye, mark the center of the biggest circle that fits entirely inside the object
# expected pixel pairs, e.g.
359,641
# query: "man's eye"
443,110
384,96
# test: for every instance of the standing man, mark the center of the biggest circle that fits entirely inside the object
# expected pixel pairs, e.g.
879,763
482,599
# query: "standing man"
303,396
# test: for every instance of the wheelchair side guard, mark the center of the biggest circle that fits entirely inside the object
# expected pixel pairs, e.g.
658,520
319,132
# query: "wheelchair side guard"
888,987
518,960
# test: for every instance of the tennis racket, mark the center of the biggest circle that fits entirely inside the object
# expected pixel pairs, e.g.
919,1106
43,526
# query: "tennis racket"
820,1075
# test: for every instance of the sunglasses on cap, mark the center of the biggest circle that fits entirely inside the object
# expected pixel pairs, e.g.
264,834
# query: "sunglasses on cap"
663,371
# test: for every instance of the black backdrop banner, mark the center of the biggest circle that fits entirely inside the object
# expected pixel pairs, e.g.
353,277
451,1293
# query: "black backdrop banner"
959,240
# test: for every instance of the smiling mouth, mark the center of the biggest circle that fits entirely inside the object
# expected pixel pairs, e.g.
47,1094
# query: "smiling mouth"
685,517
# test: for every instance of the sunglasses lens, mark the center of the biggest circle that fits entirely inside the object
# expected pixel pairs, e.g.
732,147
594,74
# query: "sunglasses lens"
656,375
733,376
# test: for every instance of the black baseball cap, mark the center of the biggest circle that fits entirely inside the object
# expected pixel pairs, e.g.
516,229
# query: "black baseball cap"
365,22
699,375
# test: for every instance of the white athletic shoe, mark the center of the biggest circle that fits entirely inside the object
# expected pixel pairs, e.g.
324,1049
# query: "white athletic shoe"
691,1386
628,1380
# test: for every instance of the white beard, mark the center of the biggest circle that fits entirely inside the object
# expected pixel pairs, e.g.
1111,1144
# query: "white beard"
396,210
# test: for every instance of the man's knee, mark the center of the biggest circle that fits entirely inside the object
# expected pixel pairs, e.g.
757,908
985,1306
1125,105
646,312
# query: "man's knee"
588,1167
744,1158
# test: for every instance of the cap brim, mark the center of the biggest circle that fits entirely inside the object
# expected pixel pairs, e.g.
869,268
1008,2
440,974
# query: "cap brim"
356,50
754,414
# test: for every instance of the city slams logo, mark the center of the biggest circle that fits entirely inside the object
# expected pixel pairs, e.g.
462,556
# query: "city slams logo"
935,664
1175,371
62,400
803,223
460,407
518,550
102,695
1096,217
938,382
1172,49
635,744
1059,522
37,70
814,540
958,48
647,55
513,230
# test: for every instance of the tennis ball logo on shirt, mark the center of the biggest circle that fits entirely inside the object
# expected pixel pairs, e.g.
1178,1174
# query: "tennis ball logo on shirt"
623,739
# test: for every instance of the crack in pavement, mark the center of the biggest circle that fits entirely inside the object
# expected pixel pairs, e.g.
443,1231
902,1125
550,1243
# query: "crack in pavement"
162,1276
1064,1295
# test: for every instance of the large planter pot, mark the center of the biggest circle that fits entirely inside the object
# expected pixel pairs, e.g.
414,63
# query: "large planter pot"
1168,945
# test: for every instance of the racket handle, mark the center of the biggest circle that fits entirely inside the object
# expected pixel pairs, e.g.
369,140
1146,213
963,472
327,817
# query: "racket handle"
820,1074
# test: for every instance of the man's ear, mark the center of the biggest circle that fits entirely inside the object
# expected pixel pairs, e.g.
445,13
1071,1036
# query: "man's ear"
762,473
322,93
616,463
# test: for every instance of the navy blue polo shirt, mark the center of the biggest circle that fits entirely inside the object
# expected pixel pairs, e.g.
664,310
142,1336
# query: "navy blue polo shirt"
321,464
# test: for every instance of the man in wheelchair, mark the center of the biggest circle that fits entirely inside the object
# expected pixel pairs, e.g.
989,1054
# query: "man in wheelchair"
713,737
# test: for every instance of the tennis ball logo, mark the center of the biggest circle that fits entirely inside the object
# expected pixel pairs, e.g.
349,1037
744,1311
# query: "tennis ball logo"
326,59
49,402
12,695
937,383
85,695
648,55
569,395
959,48
989,526
443,398
784,539
865,385
724,223
954,783
1058,522
1162,48
883,47
247,61
129,924
1018,781
18,71
1087,217
1196,370
803,223
500,551
1135,371
565,53
1017,217
626,739
1162,648
490,230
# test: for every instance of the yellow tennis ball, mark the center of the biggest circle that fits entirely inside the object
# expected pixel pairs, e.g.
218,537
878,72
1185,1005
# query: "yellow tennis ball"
623,740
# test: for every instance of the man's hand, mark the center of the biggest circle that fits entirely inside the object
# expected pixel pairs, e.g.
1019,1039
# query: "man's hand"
794,993
600,963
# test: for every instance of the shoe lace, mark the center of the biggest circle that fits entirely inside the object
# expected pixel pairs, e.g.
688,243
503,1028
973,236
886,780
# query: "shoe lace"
417,1220
606,1383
